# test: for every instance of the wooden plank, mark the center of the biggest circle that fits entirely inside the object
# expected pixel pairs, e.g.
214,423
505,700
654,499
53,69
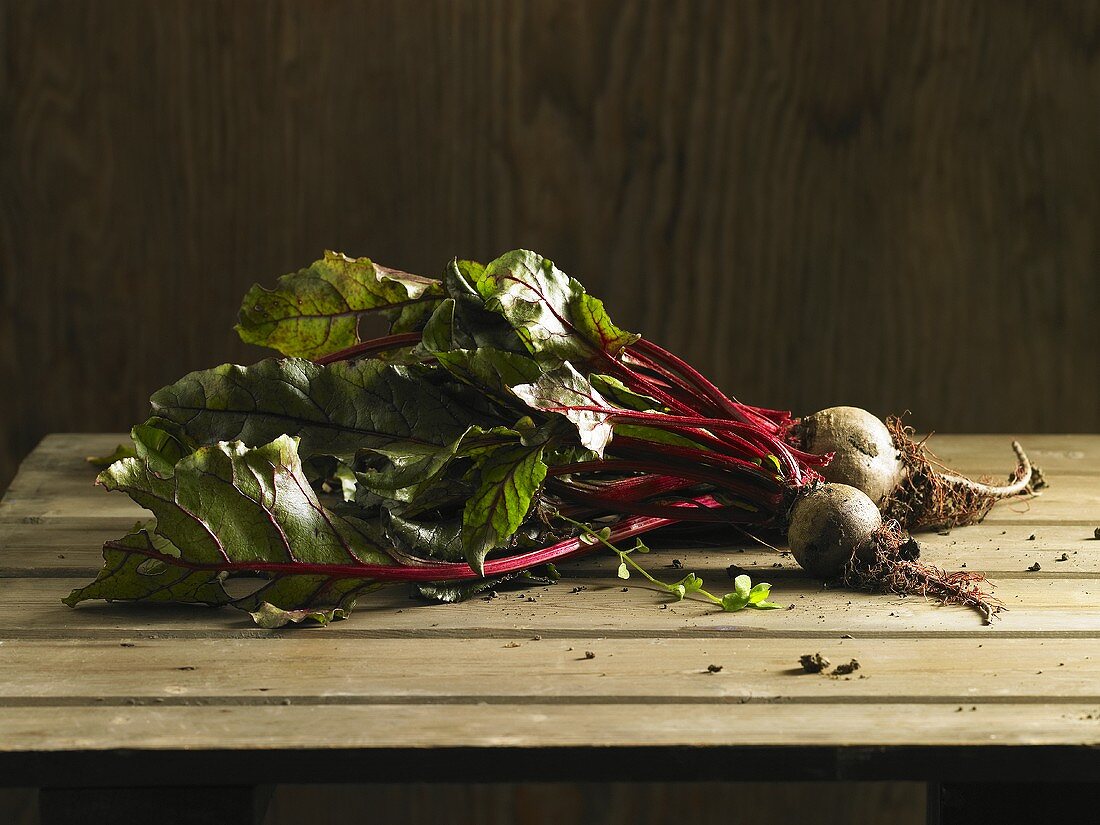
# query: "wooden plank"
329,670
533,725
1056,454
1036,606
72,547
56,481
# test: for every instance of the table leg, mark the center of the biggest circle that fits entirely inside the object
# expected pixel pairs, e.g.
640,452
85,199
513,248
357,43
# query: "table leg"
1012,803
233,805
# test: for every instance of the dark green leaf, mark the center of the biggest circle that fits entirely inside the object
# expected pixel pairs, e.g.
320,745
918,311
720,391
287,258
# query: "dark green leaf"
334,410
438,539
132,571
463,322
509,476
226,509
414,467
459,591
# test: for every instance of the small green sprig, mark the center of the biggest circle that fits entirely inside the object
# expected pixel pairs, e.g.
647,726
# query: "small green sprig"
744,594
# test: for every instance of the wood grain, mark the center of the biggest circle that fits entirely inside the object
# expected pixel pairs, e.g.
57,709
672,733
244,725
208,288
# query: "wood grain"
890,204
341,671
936,690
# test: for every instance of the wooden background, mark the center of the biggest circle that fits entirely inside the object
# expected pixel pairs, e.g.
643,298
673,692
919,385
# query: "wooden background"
891,204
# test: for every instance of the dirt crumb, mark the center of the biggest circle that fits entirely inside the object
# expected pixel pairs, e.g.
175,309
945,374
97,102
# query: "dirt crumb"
844,670
1035,568
714,668
813,662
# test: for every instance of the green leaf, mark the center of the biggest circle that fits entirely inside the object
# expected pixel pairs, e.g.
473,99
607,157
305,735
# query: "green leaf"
742,585
624,571
120,452
133,570
162,443
270,617
438,539
345,476
563,387
490,370
484,352
509,476
655,434
229,509
747,595
622,395
460,280
325,599
334,410
315,311
550,311
459,591
413,468
691,583
732,602
759,593
462,322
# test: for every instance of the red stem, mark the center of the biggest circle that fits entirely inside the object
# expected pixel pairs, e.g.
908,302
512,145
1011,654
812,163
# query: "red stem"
387,342
702,404
635,488
710,511
640,448
448,571
739,411
722,480
675,422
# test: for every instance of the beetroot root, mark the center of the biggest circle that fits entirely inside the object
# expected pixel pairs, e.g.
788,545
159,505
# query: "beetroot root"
899,473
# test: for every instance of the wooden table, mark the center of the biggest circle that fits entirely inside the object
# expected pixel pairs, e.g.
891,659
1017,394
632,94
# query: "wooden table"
127,707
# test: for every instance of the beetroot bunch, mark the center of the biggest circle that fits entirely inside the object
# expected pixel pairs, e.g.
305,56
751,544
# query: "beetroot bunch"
503,424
